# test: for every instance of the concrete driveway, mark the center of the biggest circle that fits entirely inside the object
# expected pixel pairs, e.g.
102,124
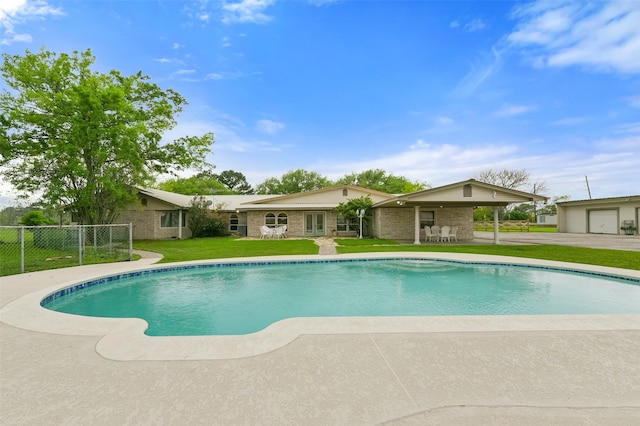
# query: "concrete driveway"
605,241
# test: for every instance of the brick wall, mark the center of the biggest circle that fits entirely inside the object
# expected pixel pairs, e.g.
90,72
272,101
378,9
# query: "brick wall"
398,223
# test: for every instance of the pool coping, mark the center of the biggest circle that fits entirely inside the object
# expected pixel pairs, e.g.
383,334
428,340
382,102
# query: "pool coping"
123,339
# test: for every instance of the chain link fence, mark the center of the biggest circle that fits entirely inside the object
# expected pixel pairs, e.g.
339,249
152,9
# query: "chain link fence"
35,248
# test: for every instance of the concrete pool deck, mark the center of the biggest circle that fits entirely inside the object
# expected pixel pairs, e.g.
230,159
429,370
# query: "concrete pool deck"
577,370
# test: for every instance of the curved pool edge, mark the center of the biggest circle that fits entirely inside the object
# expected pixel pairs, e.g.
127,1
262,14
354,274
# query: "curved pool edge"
124,339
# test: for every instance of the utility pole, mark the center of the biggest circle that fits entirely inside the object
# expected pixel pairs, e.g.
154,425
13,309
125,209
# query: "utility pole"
588,189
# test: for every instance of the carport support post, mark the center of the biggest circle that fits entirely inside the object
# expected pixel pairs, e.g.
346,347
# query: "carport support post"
416,221
496,225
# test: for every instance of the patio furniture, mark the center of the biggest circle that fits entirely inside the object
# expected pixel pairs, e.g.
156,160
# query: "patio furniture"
280,231
266,232
435,233
453,233
444,233
427,234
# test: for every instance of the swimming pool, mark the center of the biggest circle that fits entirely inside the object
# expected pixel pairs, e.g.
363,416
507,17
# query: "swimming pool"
241,298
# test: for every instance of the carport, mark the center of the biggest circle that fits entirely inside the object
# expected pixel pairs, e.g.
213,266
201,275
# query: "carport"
404,216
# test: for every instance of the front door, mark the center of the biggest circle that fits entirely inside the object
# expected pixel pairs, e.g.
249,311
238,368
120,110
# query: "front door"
314,223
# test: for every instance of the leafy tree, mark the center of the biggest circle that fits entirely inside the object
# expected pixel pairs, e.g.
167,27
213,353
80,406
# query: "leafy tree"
349,209
202,222
380,180
35,218
194,185
293,181
86,139
234,181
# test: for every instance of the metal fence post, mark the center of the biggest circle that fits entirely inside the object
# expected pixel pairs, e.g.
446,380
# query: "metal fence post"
22,249
130,241
80,244
95,240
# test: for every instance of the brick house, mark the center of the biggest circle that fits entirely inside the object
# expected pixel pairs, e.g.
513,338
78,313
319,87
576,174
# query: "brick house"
161,214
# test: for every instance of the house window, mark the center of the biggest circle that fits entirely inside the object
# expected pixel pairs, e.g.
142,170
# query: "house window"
144,202
171,219
427,218
345,192
466,190
270,220
233,223
282,219
344,224
341,224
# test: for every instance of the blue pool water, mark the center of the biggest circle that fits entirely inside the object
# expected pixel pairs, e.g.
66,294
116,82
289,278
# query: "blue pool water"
245,298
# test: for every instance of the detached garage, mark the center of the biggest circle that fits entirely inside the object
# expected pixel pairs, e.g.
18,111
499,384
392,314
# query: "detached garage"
619,215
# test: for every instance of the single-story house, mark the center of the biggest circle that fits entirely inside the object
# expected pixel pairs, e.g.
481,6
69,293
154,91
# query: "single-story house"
162,214
600,216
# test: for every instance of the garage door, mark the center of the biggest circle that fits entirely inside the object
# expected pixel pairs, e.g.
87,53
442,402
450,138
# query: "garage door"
603,222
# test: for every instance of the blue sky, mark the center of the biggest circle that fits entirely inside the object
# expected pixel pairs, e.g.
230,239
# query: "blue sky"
432,90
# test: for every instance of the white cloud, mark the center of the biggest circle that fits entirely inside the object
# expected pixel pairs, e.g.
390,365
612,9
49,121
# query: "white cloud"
269,127
16,12
570,121
603,36
512,110
224,75
454,24
246,11
444,121
474,25
478,74
634,101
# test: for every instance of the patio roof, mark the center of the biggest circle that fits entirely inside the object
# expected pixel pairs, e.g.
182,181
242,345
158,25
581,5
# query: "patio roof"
468,193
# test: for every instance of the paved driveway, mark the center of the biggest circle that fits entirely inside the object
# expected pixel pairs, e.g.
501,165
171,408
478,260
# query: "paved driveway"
615,242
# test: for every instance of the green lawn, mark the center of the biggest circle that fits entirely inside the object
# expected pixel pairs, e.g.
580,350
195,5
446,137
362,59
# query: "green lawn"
227,247
532,228
220,248
590,256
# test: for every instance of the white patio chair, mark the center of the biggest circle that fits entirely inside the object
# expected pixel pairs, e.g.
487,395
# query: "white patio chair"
444,233
280,232
435,233
453,233
266,232
427,234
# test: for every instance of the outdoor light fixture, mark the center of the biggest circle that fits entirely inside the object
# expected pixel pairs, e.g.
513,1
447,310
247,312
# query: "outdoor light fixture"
360,213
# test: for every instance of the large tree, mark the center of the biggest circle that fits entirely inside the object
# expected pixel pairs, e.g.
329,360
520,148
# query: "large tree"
293,181
194,185
85,139
235,181
380,180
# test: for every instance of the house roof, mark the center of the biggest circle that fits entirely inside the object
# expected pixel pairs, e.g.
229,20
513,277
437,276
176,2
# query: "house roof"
330,189
454,195
624,199
218,202
460,194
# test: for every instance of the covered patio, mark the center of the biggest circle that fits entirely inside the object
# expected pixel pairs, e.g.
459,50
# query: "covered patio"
405,216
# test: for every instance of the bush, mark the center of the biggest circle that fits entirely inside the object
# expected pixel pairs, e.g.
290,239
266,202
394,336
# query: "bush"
201,221
35,218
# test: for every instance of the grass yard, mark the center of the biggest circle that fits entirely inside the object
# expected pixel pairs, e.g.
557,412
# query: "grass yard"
220,248
227,247
590,256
